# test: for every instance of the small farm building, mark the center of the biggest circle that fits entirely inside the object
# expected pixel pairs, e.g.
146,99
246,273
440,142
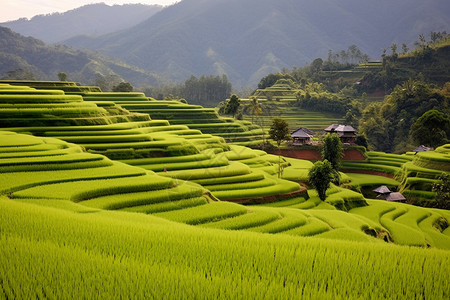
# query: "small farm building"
382,190
423,148
346,133
301,136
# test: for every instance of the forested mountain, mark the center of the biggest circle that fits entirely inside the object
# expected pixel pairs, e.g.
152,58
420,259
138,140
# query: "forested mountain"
32,57
246,39
93,19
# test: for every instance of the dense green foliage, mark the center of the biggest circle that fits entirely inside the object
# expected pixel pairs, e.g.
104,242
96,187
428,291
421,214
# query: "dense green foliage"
231,106
320,176
357,91
279,131
123,87
387,124
431,129
332,151
442,190
207,91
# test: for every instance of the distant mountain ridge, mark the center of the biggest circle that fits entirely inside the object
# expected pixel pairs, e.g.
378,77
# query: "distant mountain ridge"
91,19
246,39
46,61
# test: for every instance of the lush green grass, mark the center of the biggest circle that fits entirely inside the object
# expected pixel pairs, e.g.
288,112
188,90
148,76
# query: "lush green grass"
407,225
134,255
361,180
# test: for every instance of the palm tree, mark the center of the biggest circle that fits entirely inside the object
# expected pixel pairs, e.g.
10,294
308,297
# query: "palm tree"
254,107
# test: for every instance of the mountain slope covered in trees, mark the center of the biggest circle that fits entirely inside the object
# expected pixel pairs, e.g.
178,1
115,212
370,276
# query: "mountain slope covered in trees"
248,39
93,19
32,57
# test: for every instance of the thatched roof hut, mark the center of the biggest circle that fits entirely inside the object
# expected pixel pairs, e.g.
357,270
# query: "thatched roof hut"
395,196
301,136
382,190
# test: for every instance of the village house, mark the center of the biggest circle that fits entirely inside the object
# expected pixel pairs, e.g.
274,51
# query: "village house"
346,133
301,136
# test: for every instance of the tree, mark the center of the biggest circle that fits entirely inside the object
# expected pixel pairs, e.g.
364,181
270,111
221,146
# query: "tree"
442,191
320,177
254,107
206,90
332,152
431,129
316,65
19,74
279,131
351,119
232,105
123,87
404,48
361,140
107,82
394,50
62,76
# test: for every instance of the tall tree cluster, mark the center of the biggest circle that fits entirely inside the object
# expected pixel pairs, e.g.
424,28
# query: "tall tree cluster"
344,58
207,91
332,152
387,125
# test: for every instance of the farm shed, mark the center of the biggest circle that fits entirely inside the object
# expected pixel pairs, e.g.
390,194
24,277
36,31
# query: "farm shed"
301,136
396,197
382,190
346,133
423,148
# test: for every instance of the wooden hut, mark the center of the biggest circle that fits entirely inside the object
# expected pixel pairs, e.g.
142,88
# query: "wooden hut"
423,148
396,197
346,133
301,136
382,190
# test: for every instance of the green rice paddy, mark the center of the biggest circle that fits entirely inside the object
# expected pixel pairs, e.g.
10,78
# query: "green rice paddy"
129,207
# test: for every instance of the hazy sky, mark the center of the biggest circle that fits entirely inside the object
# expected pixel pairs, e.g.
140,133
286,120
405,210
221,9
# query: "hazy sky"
15,9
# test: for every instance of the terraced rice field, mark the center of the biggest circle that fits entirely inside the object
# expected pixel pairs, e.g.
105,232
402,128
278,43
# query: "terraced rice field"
282,104
57,171
174,151
76,223
295,117
193,116
414,172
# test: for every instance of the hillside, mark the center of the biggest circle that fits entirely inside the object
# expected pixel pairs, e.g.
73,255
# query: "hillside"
248,39
45,61
96,19
98,201
61,238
